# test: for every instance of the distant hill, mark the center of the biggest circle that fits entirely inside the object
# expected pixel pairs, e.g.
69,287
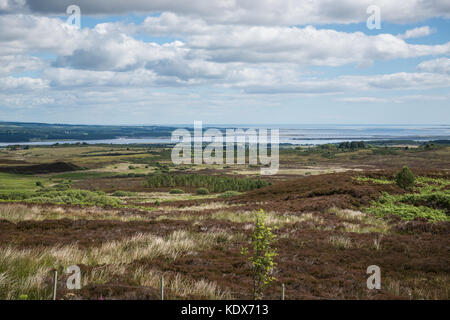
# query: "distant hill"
27,132
440,142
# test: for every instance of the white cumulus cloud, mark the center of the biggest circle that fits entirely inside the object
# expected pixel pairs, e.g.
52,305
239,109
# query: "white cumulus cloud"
417,32
441,65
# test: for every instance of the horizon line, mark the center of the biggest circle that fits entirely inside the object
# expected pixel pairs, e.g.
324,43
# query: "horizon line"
229,124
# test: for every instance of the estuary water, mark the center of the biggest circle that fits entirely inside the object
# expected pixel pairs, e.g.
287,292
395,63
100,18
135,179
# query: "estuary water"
298,134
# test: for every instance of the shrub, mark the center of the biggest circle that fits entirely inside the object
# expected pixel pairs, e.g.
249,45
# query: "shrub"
436,199
61,187
15,195
405,178
202,191
262,255
120,193
39,184
229,194
176,191
71,196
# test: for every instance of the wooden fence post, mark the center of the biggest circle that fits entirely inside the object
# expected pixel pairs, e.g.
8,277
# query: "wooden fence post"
162,287
55,284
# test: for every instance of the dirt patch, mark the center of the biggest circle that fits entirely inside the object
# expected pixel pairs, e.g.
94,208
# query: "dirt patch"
112,184
12,161
41,168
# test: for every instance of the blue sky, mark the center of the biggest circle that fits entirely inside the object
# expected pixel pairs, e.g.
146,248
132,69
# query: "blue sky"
165,62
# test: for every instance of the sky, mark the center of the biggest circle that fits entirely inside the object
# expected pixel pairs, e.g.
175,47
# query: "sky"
141,62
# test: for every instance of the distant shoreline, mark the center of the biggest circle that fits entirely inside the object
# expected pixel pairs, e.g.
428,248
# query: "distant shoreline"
17,133
166,141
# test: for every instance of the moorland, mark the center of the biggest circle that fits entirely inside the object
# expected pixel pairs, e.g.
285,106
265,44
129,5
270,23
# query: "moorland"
127,216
